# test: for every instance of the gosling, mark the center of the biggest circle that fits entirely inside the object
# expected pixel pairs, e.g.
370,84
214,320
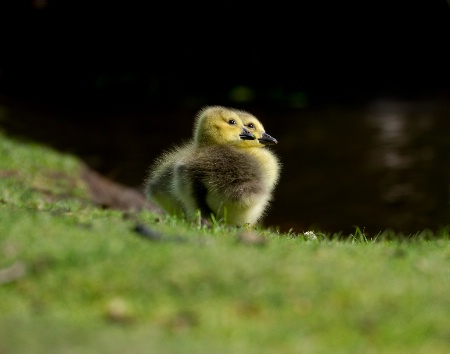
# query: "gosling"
224,171
209,129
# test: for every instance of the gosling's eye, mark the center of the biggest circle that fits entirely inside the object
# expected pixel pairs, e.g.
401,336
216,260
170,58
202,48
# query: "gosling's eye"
232,122
250,125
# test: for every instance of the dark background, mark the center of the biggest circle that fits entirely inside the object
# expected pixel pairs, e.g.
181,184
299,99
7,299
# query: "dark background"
118,83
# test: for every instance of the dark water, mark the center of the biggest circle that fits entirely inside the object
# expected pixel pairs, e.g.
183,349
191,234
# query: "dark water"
382,165
376,165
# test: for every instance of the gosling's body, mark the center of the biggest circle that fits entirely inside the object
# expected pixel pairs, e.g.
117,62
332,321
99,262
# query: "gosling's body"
233,179
221,180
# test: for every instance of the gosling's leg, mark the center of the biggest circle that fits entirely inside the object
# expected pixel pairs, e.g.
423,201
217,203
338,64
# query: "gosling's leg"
200,191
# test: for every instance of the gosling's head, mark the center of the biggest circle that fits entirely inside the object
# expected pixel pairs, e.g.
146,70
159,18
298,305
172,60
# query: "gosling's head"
253,125
220,125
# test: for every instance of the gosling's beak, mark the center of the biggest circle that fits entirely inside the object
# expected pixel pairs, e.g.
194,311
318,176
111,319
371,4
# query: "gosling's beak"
266,139
246,135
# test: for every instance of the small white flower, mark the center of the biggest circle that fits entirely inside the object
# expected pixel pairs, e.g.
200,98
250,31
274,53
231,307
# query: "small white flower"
310,235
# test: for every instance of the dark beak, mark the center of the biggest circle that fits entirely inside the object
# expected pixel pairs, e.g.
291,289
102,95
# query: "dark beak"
246,135
266,139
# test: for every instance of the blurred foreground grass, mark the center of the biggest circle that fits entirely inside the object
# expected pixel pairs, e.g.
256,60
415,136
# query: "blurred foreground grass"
75,278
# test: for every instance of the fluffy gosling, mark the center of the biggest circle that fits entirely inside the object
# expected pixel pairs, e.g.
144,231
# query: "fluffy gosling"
223,171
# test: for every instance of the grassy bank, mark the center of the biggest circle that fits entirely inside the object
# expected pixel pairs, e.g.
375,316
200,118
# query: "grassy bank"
76,278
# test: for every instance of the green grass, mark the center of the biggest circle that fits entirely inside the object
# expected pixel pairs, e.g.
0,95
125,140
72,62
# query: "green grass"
81,280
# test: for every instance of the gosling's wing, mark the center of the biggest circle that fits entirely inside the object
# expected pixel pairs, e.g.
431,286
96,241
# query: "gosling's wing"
226,171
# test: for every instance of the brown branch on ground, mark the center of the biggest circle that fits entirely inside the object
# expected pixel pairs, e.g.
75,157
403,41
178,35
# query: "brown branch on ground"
12,273
109,194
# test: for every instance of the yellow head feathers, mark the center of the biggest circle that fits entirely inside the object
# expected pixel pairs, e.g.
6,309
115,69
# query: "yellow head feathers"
218,125
254,126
